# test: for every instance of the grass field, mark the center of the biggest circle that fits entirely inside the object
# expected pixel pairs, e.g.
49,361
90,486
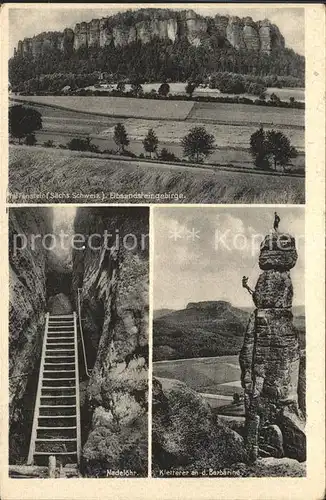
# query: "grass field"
232,141
118,106
34,171
175,110
226,135
217,375
244,114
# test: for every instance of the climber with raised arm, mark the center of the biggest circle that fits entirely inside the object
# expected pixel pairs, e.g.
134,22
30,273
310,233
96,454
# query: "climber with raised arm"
245,284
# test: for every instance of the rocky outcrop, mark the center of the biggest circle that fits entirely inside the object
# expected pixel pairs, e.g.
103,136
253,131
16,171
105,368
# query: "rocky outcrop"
113,283
234,33
218,305
164,24
251,35
185,434
270,358
59,304
272,467
27,307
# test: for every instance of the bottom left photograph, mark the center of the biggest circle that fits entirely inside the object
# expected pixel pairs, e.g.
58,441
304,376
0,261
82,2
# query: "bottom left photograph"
78,341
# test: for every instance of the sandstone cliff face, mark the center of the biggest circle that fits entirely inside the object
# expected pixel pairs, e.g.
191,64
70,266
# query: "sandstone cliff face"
167,25
27,307
234,33
114,306
270,358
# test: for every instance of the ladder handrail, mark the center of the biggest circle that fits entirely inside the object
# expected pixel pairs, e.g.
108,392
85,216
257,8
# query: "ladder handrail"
78,430
31,451
81,332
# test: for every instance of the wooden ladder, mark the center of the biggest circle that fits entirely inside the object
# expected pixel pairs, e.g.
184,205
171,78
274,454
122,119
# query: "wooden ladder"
56,423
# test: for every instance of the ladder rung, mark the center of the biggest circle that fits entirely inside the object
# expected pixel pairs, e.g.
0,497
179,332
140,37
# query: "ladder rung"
60,343
55,439
58,371
59,350
64,331
61,356
64,323
67,329
60,322
61,316
56,416
55,452
56,387
62,397
54,428
50,364
63,378
58,406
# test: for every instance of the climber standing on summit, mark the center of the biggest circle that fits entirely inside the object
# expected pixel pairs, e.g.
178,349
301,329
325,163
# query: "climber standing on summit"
276,221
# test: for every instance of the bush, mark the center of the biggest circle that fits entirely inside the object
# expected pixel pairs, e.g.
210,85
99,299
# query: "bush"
109,151
48,144
23,122
128,153
164,89
30,140
78,144
166,155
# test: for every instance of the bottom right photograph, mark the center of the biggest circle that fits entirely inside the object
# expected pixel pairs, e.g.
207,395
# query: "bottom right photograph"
229,382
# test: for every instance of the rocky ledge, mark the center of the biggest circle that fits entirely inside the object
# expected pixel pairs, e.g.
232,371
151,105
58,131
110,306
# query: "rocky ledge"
145,24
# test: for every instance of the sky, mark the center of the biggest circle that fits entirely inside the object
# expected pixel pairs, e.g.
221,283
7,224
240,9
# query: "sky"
34,20
202,253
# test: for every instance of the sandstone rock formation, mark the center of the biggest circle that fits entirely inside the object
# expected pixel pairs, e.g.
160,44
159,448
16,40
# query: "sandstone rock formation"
270,357
186,434
114,307
59,304
27,307
165,24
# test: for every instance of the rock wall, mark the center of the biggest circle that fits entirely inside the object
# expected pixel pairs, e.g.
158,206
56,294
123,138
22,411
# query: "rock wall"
167,25
27,307
270,358
114,307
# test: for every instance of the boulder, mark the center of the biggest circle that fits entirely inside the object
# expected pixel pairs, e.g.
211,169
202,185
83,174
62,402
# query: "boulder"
59,304
185,433
278,252
292,425
273,467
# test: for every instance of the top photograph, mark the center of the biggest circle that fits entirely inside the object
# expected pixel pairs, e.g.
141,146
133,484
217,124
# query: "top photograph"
199,104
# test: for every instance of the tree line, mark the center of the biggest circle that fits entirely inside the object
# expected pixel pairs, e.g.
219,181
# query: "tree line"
161,60
269,149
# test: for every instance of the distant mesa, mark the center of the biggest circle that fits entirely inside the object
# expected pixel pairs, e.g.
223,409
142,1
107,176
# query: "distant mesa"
217,305
146,24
